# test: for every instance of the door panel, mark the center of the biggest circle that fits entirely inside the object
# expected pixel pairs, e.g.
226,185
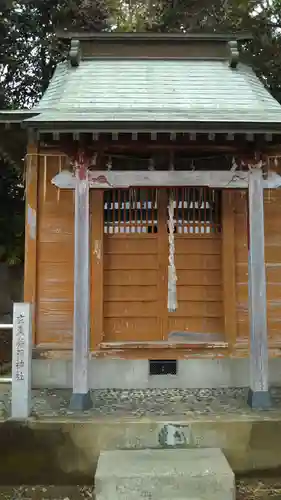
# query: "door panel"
131,266
198,261
136,264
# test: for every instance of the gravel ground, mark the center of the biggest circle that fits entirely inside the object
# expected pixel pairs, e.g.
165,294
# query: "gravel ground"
259,489
247,489
155,402
48,493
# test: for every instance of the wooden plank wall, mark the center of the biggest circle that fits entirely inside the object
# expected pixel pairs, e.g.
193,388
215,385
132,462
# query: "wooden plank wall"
199,287
55,260
130,288
272,211
135,308
133,273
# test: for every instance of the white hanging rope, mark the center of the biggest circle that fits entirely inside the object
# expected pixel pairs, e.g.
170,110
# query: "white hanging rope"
172,275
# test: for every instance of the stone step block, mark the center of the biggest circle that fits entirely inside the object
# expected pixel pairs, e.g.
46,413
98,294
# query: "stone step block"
165,474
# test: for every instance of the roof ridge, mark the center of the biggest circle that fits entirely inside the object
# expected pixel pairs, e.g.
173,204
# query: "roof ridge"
151,36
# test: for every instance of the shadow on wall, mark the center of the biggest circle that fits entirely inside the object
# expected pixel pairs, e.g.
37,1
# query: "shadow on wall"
11,290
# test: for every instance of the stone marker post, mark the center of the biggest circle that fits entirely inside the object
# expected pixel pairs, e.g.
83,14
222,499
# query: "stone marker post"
21,361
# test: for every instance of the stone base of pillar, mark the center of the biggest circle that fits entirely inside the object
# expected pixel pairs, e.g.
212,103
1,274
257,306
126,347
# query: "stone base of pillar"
260,400
80,402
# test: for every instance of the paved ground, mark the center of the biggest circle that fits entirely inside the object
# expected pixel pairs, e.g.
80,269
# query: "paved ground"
136,403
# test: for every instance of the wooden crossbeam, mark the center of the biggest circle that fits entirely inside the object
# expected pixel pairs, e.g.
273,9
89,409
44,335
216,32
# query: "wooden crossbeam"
124,179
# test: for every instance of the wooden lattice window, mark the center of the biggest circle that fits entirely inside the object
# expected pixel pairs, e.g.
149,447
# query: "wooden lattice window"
197,210
130,211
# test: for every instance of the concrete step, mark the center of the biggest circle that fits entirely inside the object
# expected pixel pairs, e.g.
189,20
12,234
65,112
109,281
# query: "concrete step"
167,474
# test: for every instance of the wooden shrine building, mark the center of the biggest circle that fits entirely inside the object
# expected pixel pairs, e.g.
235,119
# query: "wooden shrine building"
153,217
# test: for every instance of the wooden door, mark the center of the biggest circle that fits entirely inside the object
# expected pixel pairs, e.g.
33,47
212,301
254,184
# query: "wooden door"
132,266
136,264
198,260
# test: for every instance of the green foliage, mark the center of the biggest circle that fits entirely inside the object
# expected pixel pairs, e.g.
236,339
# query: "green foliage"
33,50
11,211
29,52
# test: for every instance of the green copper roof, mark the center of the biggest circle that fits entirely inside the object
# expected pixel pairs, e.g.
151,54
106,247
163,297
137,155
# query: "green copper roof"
182,94
149,91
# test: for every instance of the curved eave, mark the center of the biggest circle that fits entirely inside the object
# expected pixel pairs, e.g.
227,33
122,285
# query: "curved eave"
16,116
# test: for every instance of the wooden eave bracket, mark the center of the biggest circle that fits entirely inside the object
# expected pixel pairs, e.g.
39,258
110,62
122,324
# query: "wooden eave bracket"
75,53
234,54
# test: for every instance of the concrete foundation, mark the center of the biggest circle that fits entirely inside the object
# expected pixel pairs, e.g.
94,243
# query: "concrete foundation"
134,374
67,451
164,475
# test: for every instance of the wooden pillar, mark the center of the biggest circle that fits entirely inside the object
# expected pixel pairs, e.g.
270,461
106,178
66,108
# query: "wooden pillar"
162,275
30,258
228,260
81,399
258,396
97,230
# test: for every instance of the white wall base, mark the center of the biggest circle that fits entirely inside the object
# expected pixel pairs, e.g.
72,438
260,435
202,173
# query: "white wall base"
134,374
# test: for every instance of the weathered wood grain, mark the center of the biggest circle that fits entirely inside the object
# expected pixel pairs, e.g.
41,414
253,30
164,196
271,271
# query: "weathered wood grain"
124,179
81,326
258,395
228,266
31,223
